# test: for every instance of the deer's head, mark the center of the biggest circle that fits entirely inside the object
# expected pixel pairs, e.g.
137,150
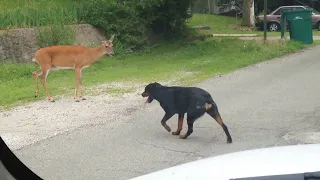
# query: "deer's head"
108,46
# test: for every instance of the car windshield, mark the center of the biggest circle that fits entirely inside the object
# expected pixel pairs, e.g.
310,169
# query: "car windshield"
116,89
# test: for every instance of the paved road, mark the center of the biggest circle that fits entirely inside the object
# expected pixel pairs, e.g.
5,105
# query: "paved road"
270,104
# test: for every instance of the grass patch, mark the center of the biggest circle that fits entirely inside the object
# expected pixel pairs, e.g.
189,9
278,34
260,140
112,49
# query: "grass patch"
227,25
218,24
201,60
30,13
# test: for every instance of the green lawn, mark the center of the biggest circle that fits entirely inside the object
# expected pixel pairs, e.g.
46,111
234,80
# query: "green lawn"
203,59
218,24
226,25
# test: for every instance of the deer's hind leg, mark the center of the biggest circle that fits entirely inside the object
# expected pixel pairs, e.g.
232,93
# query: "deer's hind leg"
35,76
45,72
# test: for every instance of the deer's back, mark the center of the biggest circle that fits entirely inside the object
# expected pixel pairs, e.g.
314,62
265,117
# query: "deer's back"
62,55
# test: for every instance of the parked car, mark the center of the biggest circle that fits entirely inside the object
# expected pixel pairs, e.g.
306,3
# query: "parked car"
294,162
273,19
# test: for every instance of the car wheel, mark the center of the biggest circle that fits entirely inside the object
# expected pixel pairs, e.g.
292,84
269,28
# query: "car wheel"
274,26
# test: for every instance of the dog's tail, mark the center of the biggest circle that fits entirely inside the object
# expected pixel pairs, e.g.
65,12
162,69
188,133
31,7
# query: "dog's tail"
209,99
210,102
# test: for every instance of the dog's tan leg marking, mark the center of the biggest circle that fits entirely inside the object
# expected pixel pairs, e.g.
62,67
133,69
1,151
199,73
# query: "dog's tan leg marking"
180,124
207,106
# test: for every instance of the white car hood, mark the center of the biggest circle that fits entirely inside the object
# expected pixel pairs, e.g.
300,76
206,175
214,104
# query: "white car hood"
250,163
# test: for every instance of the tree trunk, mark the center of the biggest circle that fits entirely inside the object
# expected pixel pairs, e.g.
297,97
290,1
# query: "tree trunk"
248,13
214,7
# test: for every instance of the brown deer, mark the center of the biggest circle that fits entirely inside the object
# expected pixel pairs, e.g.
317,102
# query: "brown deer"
68,57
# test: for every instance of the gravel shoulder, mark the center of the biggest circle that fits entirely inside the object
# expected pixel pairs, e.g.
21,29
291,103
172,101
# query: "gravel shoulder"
29,124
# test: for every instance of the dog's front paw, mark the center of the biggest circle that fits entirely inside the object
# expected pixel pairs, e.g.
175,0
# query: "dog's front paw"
229,140
183,137
167,127
176,133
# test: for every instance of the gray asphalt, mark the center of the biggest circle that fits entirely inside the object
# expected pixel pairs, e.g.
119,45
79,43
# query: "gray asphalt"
270,104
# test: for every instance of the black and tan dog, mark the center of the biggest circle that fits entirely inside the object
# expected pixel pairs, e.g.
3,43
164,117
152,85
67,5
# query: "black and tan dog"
180,100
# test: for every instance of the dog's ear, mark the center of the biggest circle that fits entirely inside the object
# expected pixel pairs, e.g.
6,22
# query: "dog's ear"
156,83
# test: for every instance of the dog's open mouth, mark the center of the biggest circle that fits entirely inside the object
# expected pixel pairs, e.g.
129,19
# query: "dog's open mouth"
149,99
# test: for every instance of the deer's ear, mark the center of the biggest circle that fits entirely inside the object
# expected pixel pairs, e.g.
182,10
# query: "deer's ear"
112,37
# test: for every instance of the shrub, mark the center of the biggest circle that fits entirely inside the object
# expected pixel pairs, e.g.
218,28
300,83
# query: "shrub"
171,18
56,34
130,20
117,18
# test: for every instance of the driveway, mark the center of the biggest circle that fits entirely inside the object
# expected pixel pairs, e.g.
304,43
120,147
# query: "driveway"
269,104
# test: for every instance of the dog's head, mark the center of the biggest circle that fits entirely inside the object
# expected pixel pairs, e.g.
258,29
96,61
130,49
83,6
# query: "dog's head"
150,90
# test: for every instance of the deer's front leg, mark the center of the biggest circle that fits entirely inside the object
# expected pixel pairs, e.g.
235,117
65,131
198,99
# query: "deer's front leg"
76,92
81,87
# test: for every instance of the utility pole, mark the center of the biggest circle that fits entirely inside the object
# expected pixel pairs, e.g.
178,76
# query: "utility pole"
265,20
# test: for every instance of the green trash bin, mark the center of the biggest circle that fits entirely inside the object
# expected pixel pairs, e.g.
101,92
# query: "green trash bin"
299,25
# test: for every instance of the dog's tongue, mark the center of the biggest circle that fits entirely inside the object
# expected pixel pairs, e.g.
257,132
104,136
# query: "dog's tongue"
147,101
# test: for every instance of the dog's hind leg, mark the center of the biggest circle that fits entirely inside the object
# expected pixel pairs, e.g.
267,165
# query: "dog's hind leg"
165,118
213,112
195,110
180,124
190,121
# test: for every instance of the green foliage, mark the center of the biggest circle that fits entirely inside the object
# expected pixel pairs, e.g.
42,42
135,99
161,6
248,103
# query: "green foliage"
171,18
130,20
56,34
120,19
21,13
